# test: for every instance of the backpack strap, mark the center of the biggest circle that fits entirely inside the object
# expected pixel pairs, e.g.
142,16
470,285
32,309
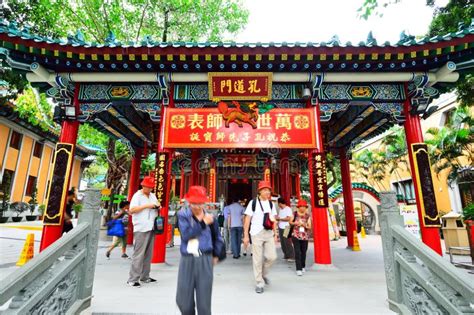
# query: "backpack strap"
254,204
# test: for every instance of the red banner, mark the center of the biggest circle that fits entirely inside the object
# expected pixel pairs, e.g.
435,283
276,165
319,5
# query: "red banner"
205,128
240,86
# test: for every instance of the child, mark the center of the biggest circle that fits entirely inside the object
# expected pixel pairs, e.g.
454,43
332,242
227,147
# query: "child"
121,214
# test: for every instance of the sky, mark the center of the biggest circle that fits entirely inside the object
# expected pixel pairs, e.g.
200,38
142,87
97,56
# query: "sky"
319,20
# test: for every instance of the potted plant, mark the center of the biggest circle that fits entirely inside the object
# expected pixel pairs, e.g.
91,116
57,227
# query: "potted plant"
468,215
32,206
5,198
18,208
77,209
41,209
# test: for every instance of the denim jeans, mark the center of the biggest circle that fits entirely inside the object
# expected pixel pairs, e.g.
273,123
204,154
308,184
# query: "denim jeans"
236,240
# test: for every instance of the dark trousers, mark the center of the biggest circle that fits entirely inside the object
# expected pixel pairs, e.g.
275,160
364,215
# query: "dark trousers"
301,247
236,240
195,275
286,245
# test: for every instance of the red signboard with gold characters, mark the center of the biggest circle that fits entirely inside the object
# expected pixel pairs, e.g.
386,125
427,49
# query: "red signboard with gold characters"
240,85
320,194
206,128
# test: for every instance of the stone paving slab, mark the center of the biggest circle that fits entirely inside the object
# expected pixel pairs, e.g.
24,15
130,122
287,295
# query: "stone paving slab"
356,285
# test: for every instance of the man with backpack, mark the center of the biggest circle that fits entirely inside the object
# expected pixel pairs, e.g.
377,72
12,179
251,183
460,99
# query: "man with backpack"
259,223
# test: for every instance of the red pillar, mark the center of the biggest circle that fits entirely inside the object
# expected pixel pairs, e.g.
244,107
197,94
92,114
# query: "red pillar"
159,248
194,167
322,251
285,175
429,235
298,184
348,200
133,184
69,130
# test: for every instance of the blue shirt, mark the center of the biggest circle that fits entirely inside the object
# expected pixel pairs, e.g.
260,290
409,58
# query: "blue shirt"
190,228
226,212
236,213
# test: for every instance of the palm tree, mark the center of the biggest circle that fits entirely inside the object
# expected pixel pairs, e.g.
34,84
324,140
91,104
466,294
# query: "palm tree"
452,147
371,166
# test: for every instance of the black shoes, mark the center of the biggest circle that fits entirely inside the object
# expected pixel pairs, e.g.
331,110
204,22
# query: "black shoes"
259,290
134,284
149,280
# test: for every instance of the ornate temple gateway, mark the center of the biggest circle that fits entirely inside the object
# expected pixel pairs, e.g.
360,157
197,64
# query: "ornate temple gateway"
226,115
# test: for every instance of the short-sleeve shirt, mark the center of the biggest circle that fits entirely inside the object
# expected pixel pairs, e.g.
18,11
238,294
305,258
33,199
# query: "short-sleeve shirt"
236,213
284,213
143,220
257,216
302,234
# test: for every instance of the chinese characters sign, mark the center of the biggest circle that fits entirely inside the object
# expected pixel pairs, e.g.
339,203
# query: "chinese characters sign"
240,86
240,160
428,206
212,185
319,180
205,128
161,172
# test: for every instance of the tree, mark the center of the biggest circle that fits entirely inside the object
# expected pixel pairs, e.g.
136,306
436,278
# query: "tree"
451,148
370,165
127,20
395,153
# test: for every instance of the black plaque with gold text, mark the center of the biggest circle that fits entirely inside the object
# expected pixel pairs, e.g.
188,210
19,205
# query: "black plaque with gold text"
161,176
320,193
427,205
57,191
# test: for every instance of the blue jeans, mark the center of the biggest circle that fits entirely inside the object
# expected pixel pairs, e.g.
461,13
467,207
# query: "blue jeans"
235,240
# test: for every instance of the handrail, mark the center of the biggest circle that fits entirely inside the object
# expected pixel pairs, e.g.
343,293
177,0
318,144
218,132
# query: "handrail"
433,261
59,280
16,280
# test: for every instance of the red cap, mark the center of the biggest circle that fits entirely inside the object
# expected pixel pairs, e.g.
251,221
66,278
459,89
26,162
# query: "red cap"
302,203
148,181
196,194
264,184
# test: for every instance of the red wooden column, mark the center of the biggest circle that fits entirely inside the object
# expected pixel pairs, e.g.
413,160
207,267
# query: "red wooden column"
194,167
69,130
298,184
322,251
285,175
133,184
429,235
348,200
159,248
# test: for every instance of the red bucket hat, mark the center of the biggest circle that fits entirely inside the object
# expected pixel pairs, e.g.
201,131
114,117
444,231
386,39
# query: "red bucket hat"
196,194
302,203
148,181
264,184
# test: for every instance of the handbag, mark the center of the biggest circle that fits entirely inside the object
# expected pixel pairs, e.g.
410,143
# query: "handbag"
286,231
115,228
267,222
159,225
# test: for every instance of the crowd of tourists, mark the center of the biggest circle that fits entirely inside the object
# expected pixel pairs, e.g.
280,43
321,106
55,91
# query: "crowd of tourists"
246,228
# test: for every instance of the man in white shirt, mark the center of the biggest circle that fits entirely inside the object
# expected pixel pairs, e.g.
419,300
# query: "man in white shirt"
143,208
283,219
261,213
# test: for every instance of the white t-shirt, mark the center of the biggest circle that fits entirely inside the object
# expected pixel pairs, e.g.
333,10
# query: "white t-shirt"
284,213
257,216
143,220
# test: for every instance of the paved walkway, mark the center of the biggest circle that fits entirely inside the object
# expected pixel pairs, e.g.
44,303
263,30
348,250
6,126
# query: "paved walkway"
356,285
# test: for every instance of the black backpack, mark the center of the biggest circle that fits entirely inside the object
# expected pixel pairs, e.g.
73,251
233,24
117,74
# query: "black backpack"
254,204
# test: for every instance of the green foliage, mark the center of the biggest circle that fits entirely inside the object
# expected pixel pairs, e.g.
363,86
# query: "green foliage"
370,165
130,20
468,212
452,147
5,191
447,19
33,200
77,207
16,81
377,7
35,108
148,164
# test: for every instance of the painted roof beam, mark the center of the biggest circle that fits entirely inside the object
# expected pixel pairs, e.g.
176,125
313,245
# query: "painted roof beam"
277,77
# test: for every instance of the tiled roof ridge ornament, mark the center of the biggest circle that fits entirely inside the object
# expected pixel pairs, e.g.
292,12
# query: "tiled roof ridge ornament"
371,41
111,39
406,39
78,38
334,41
147,40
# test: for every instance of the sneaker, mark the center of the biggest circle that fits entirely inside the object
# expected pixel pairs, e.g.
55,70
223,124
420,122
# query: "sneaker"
134,284
290,260
245,254
266,280
259,289
299,273
304,270
149,280
124,256
107,254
